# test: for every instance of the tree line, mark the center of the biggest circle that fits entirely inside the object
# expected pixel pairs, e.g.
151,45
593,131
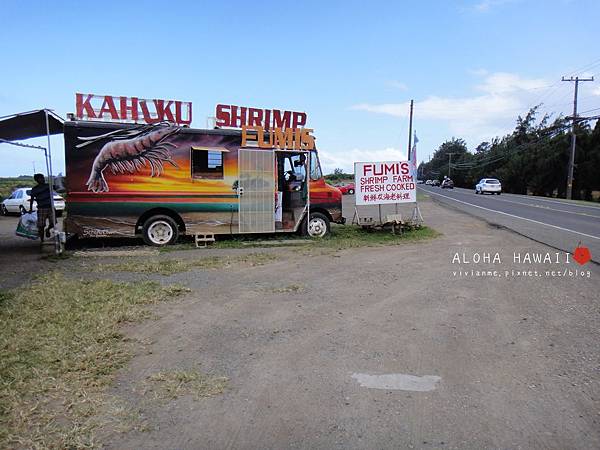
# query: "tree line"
533,159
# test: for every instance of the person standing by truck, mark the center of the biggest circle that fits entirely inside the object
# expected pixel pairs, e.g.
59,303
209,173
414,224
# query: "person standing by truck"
41,194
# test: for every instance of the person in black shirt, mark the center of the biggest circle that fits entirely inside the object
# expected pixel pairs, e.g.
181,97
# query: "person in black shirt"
41,194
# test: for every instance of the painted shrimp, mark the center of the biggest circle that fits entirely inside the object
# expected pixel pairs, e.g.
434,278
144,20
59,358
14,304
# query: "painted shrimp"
129,151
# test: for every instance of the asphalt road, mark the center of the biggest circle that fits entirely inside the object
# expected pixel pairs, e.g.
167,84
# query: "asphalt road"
560,224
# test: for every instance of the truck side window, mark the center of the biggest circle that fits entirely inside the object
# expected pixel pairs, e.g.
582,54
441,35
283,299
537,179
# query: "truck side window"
207,164
315,167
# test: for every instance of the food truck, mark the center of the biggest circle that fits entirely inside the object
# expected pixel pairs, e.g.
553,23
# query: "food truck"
162,179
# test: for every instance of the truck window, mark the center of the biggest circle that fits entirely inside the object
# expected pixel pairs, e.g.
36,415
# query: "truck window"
298,168
315,167
207,164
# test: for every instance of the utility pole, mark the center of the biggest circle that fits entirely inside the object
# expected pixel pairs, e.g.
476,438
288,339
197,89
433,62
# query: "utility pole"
450,163
573,135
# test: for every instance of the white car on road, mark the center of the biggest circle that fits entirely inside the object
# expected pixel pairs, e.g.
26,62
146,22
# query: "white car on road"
491,185
18,202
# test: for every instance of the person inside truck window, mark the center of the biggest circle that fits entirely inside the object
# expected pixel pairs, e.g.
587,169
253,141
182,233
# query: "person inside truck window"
294,172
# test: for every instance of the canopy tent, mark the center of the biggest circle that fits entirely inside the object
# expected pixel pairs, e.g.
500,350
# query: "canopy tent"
31,124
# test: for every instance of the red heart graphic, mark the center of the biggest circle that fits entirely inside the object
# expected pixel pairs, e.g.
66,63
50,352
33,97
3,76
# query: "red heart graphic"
582,255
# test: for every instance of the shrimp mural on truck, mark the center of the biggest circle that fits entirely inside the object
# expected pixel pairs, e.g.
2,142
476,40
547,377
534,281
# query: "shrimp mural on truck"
129,152
162,180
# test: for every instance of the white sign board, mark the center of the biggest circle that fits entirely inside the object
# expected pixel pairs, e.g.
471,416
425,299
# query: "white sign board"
379,183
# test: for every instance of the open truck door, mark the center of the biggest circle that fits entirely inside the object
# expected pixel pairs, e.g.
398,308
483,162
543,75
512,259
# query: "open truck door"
256,191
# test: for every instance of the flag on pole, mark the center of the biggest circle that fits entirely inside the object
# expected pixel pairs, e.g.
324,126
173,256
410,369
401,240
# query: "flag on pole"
412,156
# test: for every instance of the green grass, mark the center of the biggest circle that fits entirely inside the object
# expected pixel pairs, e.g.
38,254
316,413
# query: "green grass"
342,236
60,346
172,266
5,296
353,236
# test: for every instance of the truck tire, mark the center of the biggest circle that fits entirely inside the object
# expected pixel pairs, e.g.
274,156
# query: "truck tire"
318,226
159,231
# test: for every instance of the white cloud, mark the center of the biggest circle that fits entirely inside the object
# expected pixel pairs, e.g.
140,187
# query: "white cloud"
487,5
397,85
330,161
500,98
596,91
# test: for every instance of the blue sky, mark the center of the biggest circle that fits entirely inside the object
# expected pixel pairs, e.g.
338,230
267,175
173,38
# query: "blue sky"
470,66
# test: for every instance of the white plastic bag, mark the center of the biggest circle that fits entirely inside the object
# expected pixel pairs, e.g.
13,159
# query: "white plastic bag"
27,226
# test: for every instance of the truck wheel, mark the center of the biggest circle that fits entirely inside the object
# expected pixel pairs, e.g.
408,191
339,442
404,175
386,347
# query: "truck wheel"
160,230
350,191
318,225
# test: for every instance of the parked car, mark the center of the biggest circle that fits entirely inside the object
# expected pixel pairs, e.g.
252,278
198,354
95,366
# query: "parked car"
447,184
491,185
435,183
347,188
419,181
18,202
429,182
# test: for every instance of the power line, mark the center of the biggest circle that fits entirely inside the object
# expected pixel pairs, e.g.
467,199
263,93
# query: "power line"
589,110
509,152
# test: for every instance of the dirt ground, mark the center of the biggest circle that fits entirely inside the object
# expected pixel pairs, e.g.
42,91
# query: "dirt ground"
517,357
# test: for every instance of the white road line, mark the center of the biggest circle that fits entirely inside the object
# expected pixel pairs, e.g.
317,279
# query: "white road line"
546,208
517,217
597,208
537,198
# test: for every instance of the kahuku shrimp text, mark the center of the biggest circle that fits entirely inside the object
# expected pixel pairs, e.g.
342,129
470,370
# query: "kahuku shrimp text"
132,109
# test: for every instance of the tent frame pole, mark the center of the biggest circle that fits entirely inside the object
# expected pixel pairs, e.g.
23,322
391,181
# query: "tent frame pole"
48,153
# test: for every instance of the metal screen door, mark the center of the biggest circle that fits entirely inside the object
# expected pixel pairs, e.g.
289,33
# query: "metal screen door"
256,191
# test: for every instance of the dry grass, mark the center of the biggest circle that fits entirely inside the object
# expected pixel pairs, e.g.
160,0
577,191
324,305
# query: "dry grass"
172,266
169,385
60,346
290,289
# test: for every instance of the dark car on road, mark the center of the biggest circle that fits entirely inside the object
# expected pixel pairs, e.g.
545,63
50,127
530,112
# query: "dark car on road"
447,184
